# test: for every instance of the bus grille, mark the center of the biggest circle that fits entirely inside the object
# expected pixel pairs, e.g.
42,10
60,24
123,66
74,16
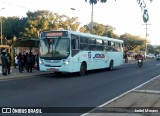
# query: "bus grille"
52,61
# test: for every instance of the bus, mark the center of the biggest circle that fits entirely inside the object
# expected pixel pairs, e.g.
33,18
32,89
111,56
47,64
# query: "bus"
71,51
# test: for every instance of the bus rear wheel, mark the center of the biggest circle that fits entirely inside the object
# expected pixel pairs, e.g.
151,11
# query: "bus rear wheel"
82,69
110,66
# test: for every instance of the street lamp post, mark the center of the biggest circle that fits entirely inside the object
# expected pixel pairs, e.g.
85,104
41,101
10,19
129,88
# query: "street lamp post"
1,28
92,20
146,24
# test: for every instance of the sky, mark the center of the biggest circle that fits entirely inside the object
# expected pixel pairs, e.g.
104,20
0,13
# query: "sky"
124,15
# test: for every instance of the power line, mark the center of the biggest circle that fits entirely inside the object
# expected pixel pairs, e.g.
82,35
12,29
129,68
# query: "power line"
16,5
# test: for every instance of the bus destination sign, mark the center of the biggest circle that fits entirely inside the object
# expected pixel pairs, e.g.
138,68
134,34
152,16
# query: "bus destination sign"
55,34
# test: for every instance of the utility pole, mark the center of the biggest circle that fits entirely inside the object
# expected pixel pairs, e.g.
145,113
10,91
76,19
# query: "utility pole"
1,32
1,28
146,28
92,20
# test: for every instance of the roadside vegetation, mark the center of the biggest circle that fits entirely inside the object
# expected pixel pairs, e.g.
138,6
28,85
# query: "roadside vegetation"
42,20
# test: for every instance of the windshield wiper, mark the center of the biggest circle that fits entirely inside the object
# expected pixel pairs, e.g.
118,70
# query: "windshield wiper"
57,42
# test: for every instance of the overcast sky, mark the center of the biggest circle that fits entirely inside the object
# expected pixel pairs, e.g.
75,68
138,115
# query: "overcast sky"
124,15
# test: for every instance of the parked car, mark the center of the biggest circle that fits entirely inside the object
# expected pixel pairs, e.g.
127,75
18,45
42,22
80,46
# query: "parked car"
158,57
150,56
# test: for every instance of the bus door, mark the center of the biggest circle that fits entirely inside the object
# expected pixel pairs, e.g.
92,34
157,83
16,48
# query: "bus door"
75,50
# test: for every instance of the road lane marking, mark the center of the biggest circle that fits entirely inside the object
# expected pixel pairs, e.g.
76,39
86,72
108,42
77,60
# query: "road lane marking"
147,91
85,114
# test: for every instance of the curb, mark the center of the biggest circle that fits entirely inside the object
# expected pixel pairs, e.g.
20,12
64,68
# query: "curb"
24,76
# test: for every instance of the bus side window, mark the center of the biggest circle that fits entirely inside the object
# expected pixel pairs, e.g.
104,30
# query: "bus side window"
108,46
75,42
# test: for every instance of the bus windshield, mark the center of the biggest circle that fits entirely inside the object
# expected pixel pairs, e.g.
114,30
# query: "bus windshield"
54,48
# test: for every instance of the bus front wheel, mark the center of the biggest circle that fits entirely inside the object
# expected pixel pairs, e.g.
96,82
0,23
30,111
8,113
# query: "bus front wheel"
82,69
57,73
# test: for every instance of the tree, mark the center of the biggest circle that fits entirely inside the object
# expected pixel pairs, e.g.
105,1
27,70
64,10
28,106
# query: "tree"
150,49
100,29
43,20
69,23
131,41
37,21
93,2
12,26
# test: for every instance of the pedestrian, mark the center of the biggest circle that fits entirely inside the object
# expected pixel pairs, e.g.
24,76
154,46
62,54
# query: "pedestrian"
23,61
9,63
30,62
126,57
37,61
4,63
20,62
26,65
15,61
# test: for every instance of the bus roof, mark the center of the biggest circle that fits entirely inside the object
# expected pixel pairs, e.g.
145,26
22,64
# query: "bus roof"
90,35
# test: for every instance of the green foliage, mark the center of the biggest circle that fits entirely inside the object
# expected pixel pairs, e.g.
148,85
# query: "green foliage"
99,29
131,41
150,49
34,23
12,26
45,20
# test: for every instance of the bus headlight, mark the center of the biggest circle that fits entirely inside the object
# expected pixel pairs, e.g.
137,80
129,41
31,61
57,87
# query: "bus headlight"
41,62
66,62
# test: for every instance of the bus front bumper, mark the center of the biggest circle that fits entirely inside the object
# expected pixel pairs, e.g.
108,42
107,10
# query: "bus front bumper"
55,69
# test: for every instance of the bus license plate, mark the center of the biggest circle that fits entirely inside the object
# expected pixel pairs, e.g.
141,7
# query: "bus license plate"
52,69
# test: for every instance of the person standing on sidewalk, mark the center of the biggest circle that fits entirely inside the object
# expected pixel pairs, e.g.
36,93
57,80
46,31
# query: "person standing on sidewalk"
20,62
37,61
30,61
4,63
9,63
15,61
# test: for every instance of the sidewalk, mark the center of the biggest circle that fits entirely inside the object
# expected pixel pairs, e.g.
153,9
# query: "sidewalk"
141,101
16,74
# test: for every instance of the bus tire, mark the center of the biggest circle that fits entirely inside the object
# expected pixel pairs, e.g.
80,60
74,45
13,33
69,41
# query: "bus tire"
83,68
111,66
57,73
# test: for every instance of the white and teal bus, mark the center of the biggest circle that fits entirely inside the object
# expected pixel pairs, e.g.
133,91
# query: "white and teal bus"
71,51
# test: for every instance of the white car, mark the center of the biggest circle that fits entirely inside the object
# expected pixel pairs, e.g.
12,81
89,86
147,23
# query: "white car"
150,56
158,57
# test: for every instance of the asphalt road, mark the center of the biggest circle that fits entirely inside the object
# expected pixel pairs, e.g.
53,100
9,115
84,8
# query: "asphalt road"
71,90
